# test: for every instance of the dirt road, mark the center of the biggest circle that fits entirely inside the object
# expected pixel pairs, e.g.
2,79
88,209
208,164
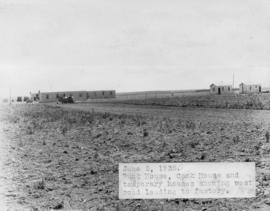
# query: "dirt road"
198,114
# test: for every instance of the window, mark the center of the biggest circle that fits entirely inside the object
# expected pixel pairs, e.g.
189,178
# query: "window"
214,89
103,93
229,88
87,95
80,94
47,96
57,96
222,88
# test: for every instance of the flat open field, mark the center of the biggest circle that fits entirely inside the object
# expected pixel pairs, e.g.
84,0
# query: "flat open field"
66,157
205,100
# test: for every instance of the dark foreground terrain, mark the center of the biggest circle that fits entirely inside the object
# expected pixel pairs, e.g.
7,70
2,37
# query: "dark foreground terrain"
67,157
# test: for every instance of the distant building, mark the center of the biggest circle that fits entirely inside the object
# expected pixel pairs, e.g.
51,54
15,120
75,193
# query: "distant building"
34,96
249,88
5,100
44,97
221,89
19,99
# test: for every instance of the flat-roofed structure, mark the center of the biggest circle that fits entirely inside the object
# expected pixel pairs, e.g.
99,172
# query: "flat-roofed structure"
78,96
249,88
221,89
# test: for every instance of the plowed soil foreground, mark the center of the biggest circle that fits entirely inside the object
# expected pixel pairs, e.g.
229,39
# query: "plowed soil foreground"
67,157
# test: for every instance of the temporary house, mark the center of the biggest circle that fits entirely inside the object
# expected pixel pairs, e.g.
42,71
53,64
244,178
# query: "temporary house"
249,88
78,96
221,89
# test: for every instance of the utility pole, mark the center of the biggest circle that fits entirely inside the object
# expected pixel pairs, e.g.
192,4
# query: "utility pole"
233,81
9,95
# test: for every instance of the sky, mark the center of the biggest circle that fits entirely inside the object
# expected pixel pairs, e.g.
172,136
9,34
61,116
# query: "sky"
128,45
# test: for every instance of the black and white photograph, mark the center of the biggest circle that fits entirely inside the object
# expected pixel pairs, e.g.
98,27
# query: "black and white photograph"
135,105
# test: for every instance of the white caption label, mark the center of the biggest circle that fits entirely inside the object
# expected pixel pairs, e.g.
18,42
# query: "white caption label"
186,180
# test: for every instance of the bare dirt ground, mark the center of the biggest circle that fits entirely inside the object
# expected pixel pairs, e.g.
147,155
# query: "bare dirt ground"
66,157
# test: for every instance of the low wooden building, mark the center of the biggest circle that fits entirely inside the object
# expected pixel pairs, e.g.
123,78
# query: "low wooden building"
34,96
221,89
249,88
78,96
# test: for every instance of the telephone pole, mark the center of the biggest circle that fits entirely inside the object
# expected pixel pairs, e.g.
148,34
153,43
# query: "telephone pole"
233,81
9,95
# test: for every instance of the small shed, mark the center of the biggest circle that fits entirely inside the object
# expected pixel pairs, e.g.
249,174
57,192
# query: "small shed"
221,89
249,88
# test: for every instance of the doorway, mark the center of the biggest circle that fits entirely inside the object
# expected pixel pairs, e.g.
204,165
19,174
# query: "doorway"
219,92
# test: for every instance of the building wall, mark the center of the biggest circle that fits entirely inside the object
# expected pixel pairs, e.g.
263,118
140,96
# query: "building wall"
221,89
77,95
250,88
101,94
34,96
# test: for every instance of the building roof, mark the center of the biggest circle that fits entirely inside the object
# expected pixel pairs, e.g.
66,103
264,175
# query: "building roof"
82,91
250,84
219,85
